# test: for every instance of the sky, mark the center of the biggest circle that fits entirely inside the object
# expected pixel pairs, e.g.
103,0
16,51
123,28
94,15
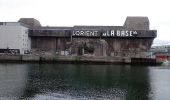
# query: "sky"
89,12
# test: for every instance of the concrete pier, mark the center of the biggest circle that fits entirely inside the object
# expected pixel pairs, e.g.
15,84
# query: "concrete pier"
75,59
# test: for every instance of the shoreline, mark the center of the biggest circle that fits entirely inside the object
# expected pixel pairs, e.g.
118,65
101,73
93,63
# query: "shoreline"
76,59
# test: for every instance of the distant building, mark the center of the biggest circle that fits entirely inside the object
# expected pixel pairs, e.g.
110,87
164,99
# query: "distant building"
14,38
163,48
161,52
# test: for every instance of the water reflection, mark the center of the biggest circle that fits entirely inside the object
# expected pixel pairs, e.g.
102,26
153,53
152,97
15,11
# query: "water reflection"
13,79
160,83
88,81
59,81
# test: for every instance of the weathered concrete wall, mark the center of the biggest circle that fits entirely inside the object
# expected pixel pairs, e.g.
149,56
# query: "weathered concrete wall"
53,58
54,32
134,35
112,45
137,23
10,57
31,22
99,46
127,44
76,59
50,43
62,44
30,58
43,43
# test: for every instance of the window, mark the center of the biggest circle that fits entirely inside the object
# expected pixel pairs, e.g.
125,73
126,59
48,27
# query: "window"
26,31
1,23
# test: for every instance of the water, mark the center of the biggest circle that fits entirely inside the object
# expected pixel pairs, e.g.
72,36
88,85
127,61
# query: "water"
83,82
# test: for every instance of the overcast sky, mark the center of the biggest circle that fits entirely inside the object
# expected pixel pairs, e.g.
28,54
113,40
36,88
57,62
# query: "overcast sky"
89,12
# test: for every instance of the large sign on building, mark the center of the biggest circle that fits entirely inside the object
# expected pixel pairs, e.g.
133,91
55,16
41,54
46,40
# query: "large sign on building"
105,33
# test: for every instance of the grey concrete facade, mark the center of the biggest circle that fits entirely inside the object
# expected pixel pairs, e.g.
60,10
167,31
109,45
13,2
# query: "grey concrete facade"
133,36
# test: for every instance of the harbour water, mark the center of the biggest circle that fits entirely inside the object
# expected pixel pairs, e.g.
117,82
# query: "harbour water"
83,82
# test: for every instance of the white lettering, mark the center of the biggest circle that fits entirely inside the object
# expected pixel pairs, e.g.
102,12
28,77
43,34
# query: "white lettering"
108,34
82,32
103,34
127,33
131,33
77,32
122,33
87,32
95,32
73,33
92,34
112,33
118,33
135,32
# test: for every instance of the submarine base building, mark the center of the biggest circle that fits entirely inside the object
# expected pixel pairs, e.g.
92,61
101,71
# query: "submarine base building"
132,39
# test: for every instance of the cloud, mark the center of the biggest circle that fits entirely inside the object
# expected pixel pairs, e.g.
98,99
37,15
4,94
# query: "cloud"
89,12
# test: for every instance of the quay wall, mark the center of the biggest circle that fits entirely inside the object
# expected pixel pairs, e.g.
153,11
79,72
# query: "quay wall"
10,58
76,59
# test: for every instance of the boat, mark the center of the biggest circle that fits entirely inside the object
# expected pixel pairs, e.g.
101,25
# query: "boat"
166,63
